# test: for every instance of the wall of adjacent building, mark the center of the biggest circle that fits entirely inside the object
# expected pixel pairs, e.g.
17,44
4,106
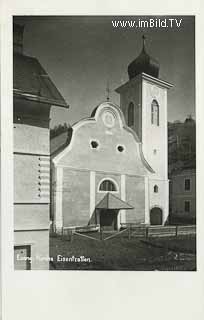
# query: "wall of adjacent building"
179,195
32,178
39,246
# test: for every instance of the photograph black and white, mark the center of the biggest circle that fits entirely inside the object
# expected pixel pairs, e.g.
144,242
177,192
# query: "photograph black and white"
104,151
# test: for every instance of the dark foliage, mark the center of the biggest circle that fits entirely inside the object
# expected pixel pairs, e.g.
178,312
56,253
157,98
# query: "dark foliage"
182,145
59,129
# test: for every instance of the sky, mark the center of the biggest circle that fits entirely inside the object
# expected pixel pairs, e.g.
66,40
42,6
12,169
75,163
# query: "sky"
82,53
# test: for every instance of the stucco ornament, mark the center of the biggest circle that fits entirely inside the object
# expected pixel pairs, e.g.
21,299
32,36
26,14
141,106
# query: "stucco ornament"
108,119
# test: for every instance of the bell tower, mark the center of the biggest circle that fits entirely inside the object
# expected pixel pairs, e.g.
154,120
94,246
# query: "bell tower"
143,100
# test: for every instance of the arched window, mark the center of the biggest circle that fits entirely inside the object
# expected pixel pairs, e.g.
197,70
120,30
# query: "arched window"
155,112
156,189
137,119
130,114
107,185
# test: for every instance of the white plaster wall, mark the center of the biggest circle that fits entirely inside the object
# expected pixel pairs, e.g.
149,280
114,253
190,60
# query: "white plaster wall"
31,139
160,199
31,179
155,137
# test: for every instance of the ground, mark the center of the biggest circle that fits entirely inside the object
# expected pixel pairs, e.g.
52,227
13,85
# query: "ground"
121,253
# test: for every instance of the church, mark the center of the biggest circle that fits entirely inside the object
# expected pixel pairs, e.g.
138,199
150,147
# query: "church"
114,170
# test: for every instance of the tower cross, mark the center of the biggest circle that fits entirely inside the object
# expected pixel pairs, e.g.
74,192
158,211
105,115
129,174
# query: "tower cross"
144,40
108,91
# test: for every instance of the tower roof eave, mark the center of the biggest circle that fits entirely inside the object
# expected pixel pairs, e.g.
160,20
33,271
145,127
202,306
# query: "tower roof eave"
144,76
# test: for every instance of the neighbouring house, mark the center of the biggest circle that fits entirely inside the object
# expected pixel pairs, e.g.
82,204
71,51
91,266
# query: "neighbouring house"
34,93
182,171
183,196
114,170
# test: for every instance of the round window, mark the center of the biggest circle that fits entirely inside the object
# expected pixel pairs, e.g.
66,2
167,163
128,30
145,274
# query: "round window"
120,148
94,144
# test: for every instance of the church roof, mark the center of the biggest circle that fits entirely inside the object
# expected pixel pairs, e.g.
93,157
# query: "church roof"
60,141
32,82
110,201
144,63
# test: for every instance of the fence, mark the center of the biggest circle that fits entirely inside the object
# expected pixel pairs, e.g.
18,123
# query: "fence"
130,230
158,231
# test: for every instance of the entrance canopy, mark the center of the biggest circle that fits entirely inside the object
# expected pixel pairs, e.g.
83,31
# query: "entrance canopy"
112,202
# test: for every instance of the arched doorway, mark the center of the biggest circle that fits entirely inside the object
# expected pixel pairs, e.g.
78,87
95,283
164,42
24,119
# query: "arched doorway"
156,216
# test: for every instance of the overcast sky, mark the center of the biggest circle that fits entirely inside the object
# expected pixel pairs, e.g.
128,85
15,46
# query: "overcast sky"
81,53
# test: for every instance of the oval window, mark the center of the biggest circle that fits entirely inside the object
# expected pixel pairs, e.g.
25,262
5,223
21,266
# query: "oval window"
120,148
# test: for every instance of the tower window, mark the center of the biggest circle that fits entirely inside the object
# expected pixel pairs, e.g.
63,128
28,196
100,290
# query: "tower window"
156,189
107,185
130,114
155,113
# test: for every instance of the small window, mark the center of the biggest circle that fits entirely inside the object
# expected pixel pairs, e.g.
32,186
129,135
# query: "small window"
107,185
120,148
155,113
187,206
130,114
187,184
22,257
156,189
94,144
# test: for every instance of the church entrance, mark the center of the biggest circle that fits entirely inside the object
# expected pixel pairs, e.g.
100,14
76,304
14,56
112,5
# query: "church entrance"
108,219
156,216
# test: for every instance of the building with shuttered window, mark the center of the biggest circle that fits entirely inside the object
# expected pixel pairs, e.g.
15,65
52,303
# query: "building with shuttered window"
34,93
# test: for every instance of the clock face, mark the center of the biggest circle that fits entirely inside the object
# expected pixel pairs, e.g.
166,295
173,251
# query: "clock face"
108,119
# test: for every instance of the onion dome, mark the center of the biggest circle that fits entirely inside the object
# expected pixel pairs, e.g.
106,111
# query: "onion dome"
143,63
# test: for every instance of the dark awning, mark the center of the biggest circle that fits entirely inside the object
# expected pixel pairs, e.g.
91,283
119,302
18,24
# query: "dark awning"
110,201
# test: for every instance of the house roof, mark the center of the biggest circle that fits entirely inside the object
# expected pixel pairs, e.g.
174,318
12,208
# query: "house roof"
59,142
31,81
110,201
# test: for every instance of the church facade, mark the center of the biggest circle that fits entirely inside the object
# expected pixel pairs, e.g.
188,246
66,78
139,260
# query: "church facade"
115,169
